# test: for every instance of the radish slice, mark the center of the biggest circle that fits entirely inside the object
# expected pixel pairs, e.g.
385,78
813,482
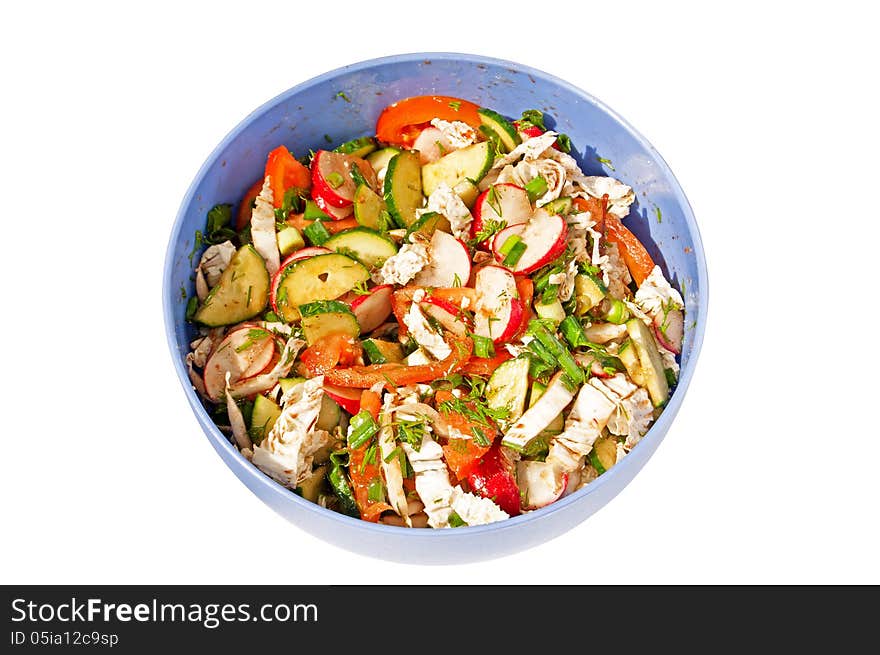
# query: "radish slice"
372,309
539,483
674,332
508,203
499,310
262,362
239,352
305,253
336,213
445,314
544,237
331,177
347,399
450,263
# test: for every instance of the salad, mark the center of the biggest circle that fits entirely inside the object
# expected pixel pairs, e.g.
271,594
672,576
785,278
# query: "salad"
440,325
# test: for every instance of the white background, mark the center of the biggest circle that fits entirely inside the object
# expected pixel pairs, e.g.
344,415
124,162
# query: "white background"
766,114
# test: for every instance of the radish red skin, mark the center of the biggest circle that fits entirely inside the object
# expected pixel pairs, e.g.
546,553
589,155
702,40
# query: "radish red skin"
345,398
374,308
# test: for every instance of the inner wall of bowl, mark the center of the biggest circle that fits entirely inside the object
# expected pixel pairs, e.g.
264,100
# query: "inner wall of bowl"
346,106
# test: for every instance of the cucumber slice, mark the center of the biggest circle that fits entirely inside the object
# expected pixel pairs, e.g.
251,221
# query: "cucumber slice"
552,312
380,158
403,187
322,277
360,147
263,417
630,360
559,206
588,293
427,224
311,487
241,293
383,352
470,163
287,384
330,415
325,317
467,191
508,388
501,126
649,361
604,454
289,240
368,208
366,245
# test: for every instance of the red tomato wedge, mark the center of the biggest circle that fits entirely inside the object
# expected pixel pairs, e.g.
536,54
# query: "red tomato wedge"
397,120
284,173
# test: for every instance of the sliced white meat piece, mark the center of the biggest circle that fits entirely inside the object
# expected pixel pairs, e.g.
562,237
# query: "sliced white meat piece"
528,149
214,261
585,422
424,335
655,296
391,468
432,480
476,510
456,134
615,274
263,228
236,419
287,452
404,266
535,419
445,201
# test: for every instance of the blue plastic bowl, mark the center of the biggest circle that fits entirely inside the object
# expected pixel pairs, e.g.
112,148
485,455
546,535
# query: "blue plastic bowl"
300,118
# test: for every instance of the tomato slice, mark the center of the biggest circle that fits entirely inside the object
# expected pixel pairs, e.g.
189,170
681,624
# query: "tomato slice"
399,123
285,172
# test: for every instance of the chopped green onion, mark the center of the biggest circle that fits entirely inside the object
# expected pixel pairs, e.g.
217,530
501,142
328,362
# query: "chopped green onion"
560,352
550,294
376,491
363,428
515,253
532,117
671,379
314,213
341,487
394,453
373,353
455,521
455,105
271,317
316,233
483,346
563,141
543,354
617,313
334,179
594,460
357,177
536,188
573,332
509,244
191,306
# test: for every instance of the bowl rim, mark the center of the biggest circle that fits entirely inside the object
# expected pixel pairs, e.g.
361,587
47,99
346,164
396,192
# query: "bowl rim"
283,495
